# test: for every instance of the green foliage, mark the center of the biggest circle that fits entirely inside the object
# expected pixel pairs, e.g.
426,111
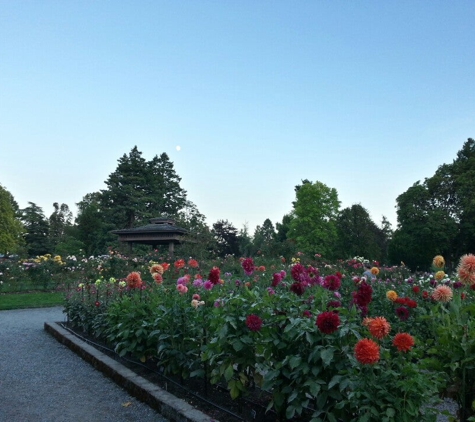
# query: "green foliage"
30,300
11,229
315,211
358,235
226,238
139,190
37,230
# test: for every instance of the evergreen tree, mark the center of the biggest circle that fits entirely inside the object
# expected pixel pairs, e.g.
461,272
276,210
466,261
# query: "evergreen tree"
139,190
226,238
37,230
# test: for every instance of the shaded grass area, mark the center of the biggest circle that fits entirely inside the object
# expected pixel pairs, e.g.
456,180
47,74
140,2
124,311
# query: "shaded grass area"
30,300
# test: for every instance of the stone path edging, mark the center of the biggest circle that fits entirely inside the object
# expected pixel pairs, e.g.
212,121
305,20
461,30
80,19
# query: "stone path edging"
168,405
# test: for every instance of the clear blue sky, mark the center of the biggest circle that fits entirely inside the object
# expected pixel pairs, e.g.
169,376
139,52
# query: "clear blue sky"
367,97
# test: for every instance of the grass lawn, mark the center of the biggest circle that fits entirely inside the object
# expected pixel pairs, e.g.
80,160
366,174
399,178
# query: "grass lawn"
30,300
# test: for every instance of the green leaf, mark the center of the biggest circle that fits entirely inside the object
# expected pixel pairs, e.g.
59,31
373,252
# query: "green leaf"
390,412
327,356
335,380
295,361
229,372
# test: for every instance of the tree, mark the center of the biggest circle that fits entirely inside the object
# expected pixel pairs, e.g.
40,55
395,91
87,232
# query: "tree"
139,190
264,240
286,247
226,238
11,229
37,230
425,228
59,222
315,213
358,235
92,227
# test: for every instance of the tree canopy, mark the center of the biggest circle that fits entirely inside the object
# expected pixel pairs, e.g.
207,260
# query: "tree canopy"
11,229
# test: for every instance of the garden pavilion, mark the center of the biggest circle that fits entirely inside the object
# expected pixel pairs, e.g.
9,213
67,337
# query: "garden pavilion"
160,231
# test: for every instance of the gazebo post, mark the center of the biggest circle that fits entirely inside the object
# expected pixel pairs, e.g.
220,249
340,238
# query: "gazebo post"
171,248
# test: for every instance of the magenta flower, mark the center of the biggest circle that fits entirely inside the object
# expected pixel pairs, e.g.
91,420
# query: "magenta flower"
208,285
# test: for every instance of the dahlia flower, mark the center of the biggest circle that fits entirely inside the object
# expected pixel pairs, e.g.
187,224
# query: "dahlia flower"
253,322
442,294
367,352
248,266
391,295
438,261
379,327
134,281
328,322
403,342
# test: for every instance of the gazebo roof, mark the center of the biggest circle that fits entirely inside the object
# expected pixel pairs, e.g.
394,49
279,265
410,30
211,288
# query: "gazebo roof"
160,231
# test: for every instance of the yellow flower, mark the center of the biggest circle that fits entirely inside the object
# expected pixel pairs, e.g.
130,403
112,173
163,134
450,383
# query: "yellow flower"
391,295
375,270
439,275
438,261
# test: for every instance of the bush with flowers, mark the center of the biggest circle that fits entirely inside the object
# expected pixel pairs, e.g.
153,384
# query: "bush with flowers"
315,338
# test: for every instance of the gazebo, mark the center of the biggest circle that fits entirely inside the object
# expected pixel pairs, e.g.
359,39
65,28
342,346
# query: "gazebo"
160,231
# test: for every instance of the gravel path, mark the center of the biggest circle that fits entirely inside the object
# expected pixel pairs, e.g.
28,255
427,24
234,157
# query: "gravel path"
43,381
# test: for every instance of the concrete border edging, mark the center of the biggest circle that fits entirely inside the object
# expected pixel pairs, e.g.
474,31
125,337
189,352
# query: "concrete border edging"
173,408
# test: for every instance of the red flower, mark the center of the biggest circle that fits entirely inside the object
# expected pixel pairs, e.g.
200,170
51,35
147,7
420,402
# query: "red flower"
134,281
403,342
253,322
165,266
416,289
367,352
379,327
214,275
364,295
425,294
248,266
334,304
193,263
261,268
98,304
402,313
328,322
179,264
297,288
332,282
307,314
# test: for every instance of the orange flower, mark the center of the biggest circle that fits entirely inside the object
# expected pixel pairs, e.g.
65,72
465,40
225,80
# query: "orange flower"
439,275
165,266
261,268
367,351
438,261
375,270
379,327
134,281
391,295
442,294
403,342
156,268
193,263
179,264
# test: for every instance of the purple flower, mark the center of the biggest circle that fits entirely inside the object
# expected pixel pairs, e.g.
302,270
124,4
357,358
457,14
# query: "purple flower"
208,285
283,274
271,291
182,280
198,282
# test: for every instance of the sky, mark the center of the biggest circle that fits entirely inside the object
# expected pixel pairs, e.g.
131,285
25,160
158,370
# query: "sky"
247,98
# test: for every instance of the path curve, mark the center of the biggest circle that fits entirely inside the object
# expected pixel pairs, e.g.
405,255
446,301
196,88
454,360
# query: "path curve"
43,381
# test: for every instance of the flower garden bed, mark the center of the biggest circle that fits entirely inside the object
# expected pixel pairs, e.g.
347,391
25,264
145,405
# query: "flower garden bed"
311,340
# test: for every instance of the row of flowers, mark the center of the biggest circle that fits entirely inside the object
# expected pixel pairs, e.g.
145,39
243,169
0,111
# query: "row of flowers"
320,338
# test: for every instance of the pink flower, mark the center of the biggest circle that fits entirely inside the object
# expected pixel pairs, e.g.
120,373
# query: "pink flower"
182,288
208,285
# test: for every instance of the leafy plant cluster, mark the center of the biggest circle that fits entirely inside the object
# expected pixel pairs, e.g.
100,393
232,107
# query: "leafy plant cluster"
293,331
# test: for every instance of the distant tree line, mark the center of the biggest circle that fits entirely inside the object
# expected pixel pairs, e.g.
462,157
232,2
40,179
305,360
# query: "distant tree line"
436,216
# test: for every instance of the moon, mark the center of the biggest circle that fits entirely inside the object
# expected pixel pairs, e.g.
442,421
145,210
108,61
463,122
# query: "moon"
178,147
